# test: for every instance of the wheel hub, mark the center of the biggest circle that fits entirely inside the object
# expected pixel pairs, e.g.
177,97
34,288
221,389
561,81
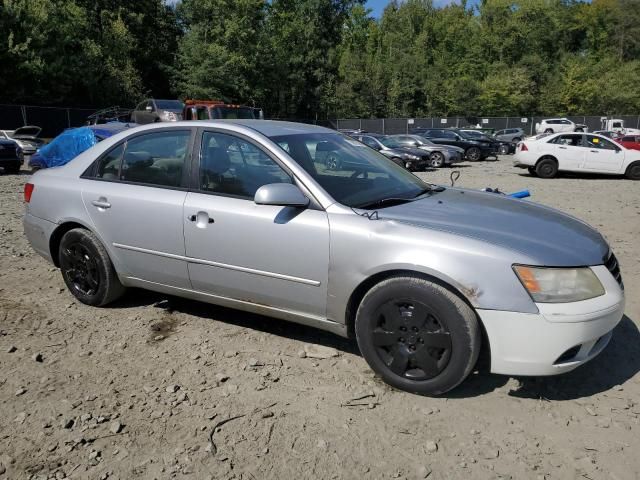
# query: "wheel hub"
411,339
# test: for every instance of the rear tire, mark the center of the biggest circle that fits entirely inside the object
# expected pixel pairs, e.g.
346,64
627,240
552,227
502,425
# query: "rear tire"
547,168
417,335
633,171
473,154
87,269
549,130
516,140
503,150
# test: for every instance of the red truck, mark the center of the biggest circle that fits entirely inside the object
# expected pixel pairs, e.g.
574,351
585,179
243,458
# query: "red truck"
216,109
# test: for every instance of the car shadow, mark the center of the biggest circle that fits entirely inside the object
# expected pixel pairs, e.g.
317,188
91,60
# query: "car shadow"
239,318
619,361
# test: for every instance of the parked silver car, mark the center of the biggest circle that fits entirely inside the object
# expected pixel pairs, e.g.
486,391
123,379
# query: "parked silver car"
155,110
242,214
513,135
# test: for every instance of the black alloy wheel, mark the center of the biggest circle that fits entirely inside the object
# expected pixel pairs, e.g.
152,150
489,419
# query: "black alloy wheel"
80,268
473,154
411,339
87,269
503,149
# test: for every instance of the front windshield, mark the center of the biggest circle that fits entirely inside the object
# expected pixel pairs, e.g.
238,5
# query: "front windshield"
390,142
169,104
425,141
352,173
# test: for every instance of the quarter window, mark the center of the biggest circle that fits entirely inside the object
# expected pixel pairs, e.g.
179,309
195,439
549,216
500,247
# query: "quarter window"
232,166
156,158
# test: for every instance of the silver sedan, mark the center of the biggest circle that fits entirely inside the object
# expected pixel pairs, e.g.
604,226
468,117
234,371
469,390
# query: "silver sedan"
246,214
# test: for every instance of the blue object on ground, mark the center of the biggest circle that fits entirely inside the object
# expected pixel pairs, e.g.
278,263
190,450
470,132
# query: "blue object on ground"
520,194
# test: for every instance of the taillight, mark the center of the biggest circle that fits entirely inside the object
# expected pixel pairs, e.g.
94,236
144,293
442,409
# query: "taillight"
523,147
28,191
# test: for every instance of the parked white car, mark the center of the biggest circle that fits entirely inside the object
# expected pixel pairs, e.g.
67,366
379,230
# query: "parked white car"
576,152
557,125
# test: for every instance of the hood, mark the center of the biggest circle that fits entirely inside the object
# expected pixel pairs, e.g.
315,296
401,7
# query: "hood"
543,234
27,132
411,150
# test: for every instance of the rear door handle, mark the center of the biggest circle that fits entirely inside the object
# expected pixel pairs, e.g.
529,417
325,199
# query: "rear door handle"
563,148
200,218
102,203
594,151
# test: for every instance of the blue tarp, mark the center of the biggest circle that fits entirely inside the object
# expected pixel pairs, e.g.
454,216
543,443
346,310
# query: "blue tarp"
66,146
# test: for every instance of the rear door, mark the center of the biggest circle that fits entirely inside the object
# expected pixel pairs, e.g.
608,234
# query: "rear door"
267,255
569,150
134,195
602,155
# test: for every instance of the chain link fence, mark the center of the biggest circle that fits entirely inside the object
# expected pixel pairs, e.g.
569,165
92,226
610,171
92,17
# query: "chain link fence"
389,126
52,120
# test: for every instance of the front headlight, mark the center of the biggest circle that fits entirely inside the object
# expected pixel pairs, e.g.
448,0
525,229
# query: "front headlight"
413,157
559,285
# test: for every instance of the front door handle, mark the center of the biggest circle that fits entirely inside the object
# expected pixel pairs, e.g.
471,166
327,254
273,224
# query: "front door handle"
201,219
101,203
594,151
563,148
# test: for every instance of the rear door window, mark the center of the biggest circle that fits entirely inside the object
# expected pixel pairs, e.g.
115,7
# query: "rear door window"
156,158
570,140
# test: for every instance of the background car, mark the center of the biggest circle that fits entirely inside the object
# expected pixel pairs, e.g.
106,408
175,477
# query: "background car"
72,142
475,149
410,158
26,137
154,110
577,152
609,134
503,148
439,155
11,156
555,125
513,135
631,142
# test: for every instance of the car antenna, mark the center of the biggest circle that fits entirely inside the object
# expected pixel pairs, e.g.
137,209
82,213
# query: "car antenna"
455,175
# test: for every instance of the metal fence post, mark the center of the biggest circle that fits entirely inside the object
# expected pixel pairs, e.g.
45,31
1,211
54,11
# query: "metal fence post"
383,130
68,119
23,110
360,127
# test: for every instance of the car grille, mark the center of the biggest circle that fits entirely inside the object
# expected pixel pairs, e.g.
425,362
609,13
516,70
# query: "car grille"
612,265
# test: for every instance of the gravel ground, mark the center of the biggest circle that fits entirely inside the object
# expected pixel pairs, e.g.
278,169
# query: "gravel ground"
156,387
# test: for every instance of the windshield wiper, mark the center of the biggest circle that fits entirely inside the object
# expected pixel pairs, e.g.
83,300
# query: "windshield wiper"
386,202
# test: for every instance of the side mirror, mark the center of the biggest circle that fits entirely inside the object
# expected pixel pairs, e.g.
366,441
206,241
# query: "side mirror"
148,108
281,194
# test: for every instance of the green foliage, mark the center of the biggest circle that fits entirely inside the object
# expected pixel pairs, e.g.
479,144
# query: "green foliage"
328,58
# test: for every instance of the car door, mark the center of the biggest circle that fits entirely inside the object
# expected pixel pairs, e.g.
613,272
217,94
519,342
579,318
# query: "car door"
602,155
569,150
268,255
134,195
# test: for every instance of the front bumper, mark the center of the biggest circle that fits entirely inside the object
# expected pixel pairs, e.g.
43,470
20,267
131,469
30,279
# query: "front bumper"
559,338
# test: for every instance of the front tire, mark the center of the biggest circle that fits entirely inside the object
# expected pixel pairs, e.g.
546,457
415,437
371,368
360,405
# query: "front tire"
503,150
547,168
473,154
87,270
633,171
417,335
436,160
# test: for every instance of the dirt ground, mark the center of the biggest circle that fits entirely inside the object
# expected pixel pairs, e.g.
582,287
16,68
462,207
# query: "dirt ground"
137,390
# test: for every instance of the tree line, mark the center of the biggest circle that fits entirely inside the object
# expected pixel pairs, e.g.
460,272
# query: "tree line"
316,59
